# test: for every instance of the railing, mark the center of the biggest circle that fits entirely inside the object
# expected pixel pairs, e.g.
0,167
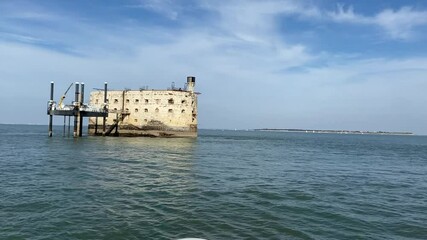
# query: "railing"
89,108
52,106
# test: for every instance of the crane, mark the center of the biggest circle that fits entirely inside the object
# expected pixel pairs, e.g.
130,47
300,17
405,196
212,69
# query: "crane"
63,96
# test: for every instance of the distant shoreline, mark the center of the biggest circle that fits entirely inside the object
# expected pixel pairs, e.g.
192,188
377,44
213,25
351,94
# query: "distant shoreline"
333,131
271,130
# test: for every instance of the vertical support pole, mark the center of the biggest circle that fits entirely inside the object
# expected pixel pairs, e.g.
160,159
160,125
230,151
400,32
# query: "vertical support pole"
50,106
76,110
105,108
82,100
96,126
65,124
69,125
117,124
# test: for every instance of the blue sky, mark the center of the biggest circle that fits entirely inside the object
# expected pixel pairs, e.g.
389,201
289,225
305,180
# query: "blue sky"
358,65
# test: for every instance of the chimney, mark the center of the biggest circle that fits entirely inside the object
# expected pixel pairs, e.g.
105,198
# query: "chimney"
191,83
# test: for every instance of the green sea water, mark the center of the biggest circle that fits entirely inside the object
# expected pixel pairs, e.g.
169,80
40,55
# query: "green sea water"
222,185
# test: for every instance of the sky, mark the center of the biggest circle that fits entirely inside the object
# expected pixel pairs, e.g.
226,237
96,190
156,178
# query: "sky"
356,65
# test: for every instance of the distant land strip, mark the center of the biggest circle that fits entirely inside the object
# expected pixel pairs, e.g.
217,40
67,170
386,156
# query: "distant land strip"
333,131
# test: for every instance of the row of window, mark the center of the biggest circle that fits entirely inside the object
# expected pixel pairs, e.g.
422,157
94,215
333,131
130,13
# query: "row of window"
145,120
146,110
116,100
136,120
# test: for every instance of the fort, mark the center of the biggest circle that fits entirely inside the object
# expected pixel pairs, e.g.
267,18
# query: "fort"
143,112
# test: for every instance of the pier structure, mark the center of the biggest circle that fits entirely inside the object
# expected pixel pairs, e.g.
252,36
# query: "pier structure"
77,109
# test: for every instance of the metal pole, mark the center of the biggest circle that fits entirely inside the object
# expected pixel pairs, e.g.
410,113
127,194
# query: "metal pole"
96,126
50,113
76,110
63,133
105,107
82,97
69,125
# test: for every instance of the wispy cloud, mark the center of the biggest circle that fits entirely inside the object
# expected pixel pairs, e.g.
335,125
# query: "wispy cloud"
343,14
166,8
238,51
257,17
27,11
401,23
398,24
21,38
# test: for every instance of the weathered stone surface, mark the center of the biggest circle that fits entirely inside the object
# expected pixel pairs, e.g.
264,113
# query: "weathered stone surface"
154,113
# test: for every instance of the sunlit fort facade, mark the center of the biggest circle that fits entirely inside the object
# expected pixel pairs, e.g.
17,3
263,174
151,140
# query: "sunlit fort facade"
144,112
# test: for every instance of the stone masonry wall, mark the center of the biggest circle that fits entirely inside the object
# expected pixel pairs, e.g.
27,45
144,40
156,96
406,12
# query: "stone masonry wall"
148,111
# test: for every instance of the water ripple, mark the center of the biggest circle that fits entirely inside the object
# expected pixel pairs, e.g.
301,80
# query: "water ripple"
223,185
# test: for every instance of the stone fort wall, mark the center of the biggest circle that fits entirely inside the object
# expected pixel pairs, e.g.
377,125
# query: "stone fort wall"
148,112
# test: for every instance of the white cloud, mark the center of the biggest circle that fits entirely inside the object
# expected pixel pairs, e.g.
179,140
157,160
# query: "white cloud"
21,38
398,24
167,8
371,94
27,11
256,18
347,15
249,30
243,66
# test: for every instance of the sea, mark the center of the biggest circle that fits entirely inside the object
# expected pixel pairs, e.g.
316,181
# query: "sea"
222,185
